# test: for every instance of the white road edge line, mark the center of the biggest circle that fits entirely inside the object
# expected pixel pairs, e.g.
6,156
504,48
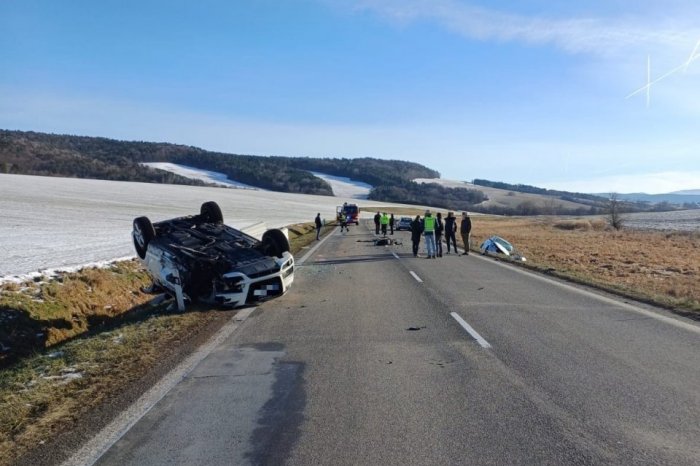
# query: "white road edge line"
301,261
471,331
94,448
415,276
396,255
618,302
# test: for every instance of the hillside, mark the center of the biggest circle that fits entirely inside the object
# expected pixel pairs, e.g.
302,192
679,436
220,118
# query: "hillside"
31,153
510,202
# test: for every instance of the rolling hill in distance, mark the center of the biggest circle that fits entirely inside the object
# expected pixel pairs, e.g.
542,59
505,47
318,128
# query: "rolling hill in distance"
33,153
678,197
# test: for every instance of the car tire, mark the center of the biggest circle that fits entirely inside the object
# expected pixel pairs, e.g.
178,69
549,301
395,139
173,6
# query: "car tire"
143,234
211,212
275,243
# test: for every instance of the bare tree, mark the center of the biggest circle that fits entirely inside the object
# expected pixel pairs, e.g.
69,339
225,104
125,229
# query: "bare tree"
614,211
550,205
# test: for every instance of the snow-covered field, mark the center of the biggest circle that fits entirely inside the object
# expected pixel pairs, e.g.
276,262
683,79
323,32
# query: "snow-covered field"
447,183
680,220
49,222
342,186
345,187
198,174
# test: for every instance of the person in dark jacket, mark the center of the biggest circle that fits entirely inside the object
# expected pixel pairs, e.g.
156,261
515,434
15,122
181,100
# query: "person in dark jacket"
450,230
377,218
439,228
465,230
416,232
319,224
391,223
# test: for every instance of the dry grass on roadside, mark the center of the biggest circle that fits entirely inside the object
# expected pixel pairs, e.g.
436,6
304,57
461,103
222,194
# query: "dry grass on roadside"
46,394
76,340
655,266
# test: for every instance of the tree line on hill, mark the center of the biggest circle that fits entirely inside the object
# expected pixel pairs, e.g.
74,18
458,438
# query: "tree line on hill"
32,153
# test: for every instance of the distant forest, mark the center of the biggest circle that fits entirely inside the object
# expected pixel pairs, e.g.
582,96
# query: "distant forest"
31,153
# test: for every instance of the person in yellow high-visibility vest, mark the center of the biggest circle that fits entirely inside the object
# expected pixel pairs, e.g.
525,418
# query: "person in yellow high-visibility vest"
384,220
429,233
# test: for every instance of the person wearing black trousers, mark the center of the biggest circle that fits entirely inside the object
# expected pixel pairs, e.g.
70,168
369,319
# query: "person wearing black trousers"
377,218
439,228
450,231
416,232
319,224
466,230
391,223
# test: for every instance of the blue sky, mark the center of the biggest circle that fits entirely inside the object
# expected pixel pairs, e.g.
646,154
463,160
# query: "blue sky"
531,91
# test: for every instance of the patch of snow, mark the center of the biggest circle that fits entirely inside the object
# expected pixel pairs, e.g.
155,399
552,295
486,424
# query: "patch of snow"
43,275
65,378
207,176
346,187
446,183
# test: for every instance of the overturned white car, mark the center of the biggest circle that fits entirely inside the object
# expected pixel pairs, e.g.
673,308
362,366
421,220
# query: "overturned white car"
199,258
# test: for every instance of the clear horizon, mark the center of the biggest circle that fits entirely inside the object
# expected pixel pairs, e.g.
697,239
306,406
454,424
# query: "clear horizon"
601,97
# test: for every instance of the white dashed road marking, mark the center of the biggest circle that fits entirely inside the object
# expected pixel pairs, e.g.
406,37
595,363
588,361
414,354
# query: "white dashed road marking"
471,331
415,276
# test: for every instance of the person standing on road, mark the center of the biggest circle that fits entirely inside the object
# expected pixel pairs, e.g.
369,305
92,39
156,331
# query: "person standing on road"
465,230
343,222
429,233
416,231
439,228
385,222
450,230
391,223
377,219
319,224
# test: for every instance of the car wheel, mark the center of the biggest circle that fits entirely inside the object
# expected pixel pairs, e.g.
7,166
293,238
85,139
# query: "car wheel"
275,243
143,234
211,212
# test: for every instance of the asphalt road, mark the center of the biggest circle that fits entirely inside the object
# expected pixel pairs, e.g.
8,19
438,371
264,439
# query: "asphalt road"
368,360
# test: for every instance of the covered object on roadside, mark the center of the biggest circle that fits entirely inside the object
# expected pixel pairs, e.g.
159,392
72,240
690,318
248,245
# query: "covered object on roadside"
497,245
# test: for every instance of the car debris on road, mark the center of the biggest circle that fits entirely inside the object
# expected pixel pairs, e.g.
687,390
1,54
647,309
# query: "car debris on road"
499,246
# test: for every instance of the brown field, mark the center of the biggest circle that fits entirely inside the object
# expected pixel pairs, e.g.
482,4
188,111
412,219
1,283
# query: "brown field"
654,266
